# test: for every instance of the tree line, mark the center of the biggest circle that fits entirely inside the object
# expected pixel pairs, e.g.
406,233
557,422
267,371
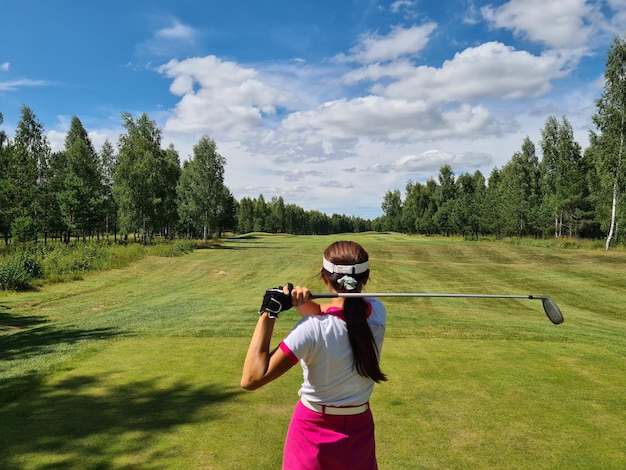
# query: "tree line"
142,190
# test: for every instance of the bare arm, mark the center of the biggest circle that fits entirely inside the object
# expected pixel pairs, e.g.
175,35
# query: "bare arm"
304,306
262,366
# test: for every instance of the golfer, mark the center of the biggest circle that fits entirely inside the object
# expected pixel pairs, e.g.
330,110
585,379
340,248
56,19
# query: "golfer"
338,347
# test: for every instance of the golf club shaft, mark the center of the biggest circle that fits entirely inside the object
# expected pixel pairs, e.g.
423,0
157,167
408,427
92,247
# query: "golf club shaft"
330,295
552,310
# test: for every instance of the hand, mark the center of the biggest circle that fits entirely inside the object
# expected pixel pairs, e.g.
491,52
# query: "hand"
299,295
276,300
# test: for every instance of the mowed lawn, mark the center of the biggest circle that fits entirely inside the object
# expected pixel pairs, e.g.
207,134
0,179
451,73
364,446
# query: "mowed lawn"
140,367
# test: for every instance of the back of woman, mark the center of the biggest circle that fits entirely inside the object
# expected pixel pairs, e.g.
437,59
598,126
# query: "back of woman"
338,347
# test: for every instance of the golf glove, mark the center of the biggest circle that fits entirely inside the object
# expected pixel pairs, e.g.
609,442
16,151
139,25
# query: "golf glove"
275,301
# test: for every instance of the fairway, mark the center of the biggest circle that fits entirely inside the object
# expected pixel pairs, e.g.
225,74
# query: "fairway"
140,367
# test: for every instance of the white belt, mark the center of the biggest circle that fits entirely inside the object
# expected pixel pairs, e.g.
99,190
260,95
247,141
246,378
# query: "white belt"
335,410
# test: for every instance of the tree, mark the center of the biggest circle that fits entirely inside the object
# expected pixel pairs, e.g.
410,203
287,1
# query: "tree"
141,178
201,191
392,210
419,207
82,197
167,216
444,198
227,220
520,194
493,205
108,162
467,209
245,215
276,217
6,184
29,172
608,144
562,177
259,214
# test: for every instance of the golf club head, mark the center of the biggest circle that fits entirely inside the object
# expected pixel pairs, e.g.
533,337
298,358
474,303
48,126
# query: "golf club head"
552,310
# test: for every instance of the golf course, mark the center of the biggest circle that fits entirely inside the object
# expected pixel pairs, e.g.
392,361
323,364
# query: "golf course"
140,367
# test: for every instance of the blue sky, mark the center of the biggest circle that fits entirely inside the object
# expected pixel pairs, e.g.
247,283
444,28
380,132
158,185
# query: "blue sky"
327,103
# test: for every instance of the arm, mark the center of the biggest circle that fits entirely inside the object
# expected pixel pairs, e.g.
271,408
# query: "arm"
304,306
262,366
309,308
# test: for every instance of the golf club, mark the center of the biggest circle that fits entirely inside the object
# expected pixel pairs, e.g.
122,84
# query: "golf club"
549,306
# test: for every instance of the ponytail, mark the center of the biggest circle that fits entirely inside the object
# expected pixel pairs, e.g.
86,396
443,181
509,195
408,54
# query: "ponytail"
364,348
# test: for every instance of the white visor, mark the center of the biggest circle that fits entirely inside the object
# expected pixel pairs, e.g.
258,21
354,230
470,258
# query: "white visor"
345,268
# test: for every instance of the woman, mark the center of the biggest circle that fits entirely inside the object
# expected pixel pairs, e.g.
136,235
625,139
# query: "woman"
338,347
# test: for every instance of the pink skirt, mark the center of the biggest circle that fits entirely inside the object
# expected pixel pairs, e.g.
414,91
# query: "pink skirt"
329,442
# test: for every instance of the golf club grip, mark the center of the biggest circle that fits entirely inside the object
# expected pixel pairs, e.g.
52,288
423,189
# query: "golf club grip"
322,295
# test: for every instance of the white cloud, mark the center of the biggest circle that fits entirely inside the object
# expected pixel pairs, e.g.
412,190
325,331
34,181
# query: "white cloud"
388,120
12,85
229,98
4,67
430,161
491,70
555,23
399,5
170,41
177,31
398,43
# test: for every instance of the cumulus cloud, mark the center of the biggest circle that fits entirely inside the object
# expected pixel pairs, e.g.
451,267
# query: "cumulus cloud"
491,70
390,120
557,24
220,96
399,42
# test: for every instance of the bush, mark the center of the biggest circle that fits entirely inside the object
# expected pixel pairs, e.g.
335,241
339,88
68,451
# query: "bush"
18,270
64,260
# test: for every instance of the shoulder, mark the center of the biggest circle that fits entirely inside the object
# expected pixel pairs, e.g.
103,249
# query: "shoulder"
379,312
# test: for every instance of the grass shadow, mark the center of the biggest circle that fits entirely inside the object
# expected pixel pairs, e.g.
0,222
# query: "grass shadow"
93,422
11,322
35,341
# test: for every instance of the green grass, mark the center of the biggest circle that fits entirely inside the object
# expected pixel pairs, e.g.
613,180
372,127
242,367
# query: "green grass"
139,367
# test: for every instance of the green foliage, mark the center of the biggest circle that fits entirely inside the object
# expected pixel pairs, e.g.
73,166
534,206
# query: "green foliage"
74,260
63,262
24,229
18,270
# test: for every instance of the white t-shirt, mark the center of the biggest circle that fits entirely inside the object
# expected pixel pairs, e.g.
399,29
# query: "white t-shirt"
321,344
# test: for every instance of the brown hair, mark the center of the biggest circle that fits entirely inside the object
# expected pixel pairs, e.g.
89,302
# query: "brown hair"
364,348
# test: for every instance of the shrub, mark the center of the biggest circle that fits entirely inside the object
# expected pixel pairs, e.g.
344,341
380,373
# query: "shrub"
18,270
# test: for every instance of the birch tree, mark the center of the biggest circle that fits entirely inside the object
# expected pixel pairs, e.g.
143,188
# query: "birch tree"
139,177
201,189
607,145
